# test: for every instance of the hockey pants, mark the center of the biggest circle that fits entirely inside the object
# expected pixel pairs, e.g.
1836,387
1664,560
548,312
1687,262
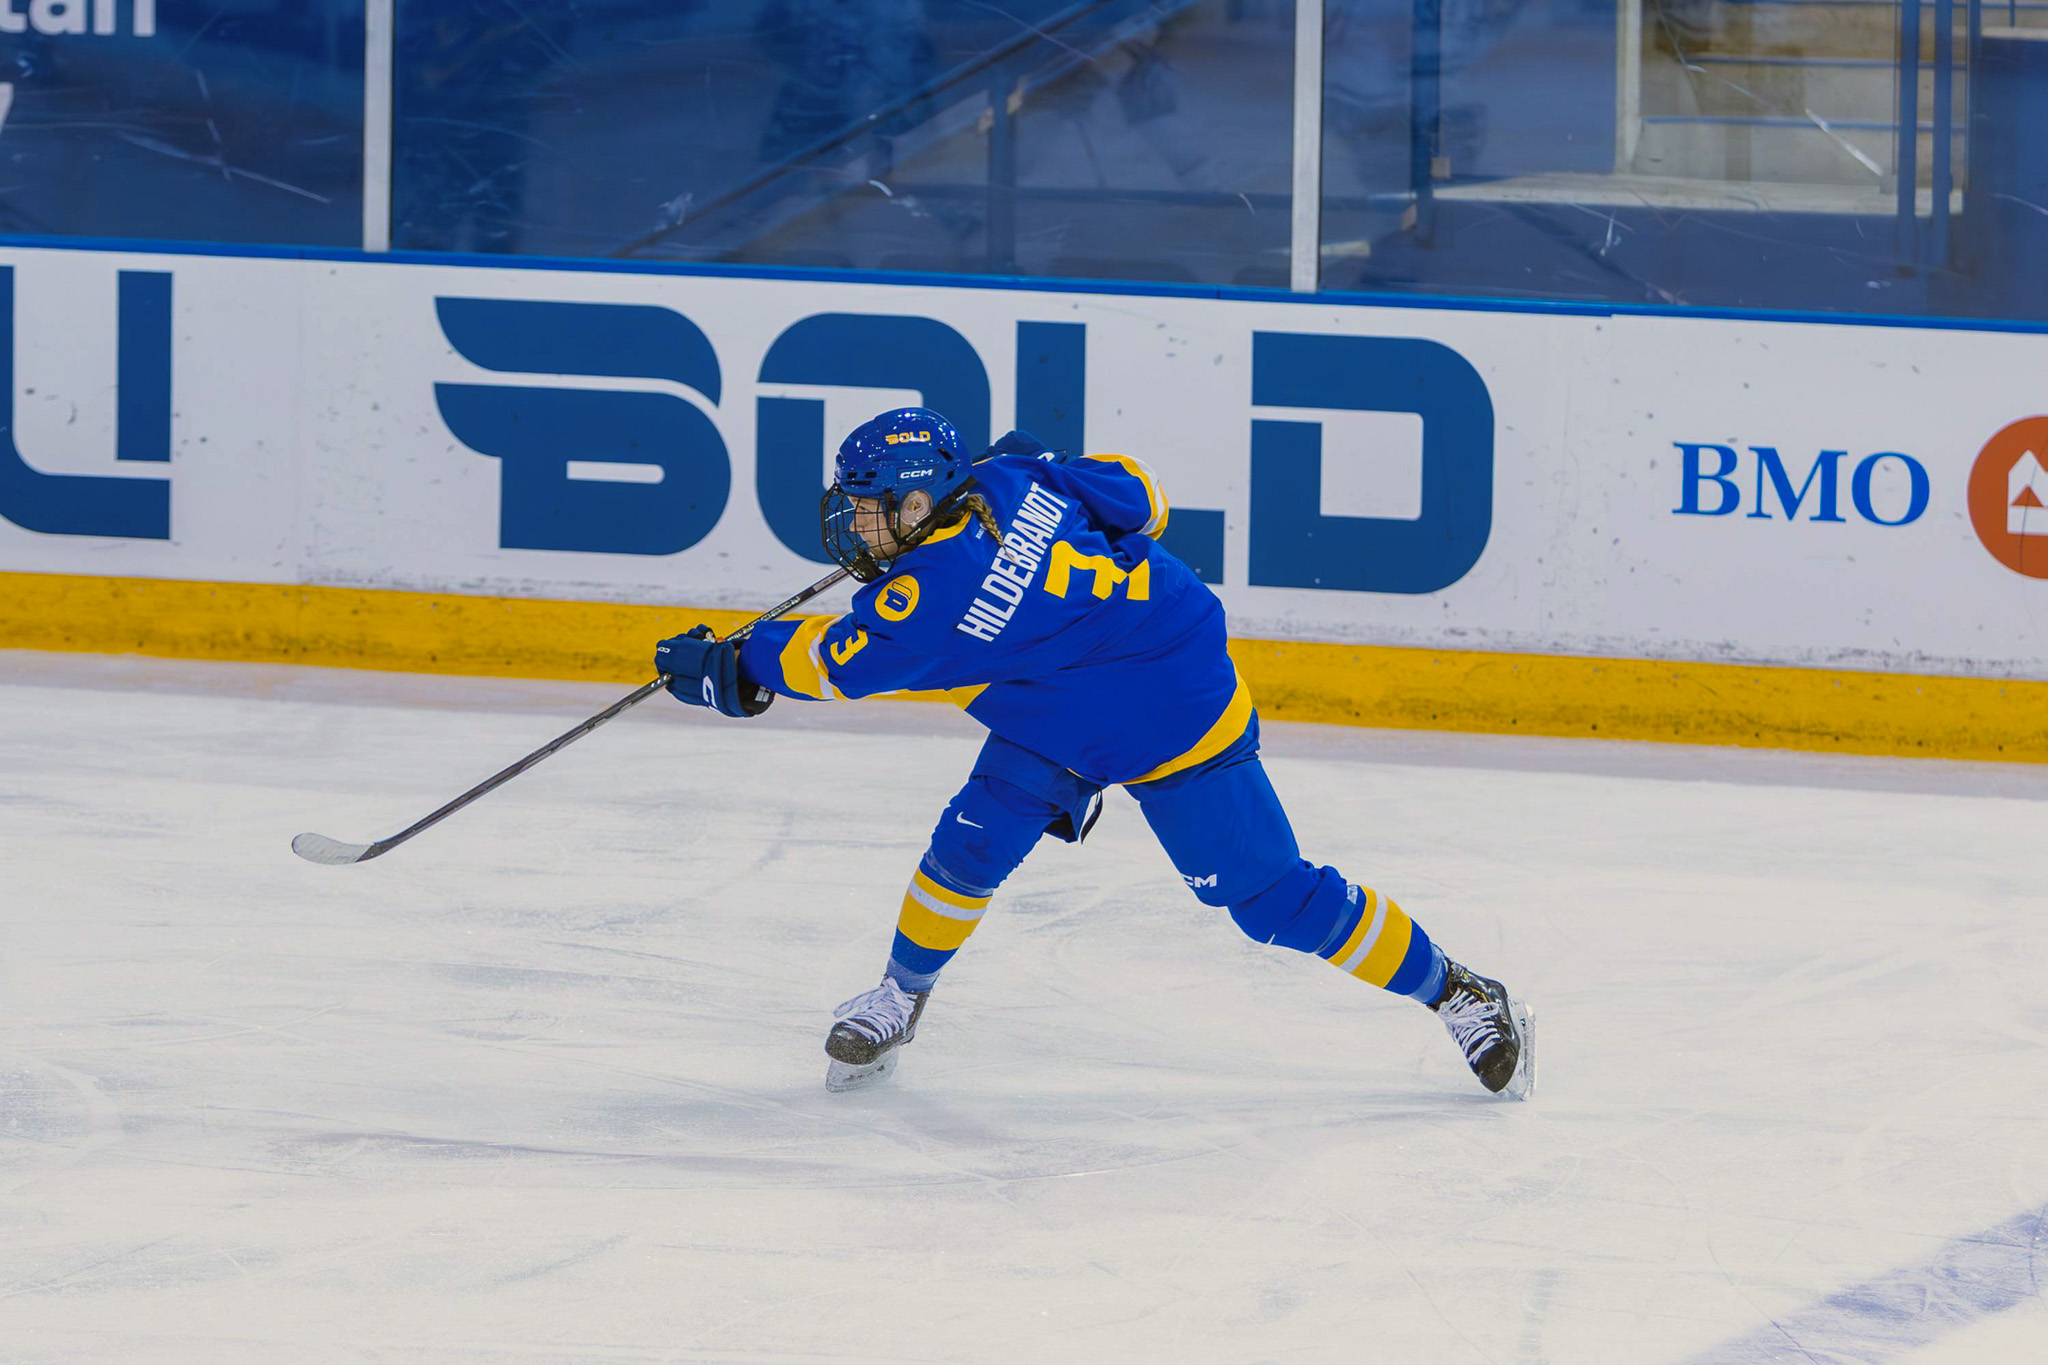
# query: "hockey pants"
1220,823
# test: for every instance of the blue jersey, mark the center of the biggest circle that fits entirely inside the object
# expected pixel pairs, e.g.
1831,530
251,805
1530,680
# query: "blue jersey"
1075,636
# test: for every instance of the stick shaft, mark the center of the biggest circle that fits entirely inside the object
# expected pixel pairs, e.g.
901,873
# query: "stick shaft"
791,603
491,784
563,741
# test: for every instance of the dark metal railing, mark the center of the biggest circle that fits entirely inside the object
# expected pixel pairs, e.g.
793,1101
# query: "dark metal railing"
1932,249
1426,99
991,68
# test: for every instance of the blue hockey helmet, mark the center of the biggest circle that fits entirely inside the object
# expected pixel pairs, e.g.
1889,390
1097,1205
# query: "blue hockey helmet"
882,464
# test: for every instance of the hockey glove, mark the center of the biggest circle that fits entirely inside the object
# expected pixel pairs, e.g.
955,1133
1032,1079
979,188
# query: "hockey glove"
703,671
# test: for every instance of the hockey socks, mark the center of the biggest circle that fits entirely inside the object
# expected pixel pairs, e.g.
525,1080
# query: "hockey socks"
939,912
1376,942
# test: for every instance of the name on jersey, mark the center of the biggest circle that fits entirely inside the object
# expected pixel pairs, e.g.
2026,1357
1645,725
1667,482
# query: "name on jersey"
1031,530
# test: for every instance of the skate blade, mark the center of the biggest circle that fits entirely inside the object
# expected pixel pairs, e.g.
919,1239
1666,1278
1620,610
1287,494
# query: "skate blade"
843,1076
1522,1084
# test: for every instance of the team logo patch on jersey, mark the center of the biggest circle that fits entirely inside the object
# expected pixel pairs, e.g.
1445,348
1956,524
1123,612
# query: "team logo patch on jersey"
897,599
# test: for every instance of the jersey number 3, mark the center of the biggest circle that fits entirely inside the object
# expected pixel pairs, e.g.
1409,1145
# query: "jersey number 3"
1104,575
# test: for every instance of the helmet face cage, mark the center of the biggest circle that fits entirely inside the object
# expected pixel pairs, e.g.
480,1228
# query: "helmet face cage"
851,551
844,544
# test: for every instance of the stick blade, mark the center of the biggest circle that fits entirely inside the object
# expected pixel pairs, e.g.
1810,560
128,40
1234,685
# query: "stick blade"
318,848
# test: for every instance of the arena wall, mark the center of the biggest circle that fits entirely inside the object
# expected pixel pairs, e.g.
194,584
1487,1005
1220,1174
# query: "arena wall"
1554,519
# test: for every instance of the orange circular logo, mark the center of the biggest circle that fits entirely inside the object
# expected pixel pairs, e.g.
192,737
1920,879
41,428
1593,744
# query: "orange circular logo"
2009,497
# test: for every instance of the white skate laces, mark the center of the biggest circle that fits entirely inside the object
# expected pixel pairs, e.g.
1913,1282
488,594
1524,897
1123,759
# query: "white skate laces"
1474,1024
872,1028
877,1015
1495,1031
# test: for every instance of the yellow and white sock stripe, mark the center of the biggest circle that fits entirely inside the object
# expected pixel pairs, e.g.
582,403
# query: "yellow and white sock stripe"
937,918
1376,948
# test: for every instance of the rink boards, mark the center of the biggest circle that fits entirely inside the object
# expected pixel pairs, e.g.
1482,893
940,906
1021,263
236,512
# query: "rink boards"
1560,521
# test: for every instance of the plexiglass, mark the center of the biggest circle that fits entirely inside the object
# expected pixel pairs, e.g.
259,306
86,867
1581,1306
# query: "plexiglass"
1104,138
233,121
1841,156
1733,153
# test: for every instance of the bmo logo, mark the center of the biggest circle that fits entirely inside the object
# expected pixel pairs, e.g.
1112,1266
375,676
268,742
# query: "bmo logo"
645,470
1885,488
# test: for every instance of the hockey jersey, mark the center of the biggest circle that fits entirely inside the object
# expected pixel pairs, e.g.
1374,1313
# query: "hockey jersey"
1076,636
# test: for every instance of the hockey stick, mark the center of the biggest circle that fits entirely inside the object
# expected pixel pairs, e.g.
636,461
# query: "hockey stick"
318,848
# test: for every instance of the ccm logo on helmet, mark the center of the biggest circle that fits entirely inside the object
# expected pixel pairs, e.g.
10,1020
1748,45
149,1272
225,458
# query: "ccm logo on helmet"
897,438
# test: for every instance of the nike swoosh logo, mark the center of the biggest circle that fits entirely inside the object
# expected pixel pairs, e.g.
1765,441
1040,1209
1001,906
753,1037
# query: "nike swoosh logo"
965,821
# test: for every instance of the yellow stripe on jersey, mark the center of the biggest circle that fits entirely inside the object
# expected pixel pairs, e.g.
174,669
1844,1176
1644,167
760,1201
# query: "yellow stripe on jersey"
1229,727
801,667
1155,492
945,532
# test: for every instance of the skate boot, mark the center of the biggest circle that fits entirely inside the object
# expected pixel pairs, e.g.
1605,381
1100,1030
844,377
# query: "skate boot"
871,1027
1496,1032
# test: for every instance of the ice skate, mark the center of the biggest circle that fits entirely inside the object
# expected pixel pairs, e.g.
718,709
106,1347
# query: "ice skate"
872,1026
1496,1032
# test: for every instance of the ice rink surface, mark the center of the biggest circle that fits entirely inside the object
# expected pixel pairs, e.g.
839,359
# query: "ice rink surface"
545,1084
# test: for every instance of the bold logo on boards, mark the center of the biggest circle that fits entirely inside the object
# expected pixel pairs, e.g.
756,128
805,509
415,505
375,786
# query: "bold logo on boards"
2009,497
609,470
1293,544
646,472
93,504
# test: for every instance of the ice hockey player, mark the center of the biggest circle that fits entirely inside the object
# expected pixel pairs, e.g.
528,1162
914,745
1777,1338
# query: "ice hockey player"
1028,583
